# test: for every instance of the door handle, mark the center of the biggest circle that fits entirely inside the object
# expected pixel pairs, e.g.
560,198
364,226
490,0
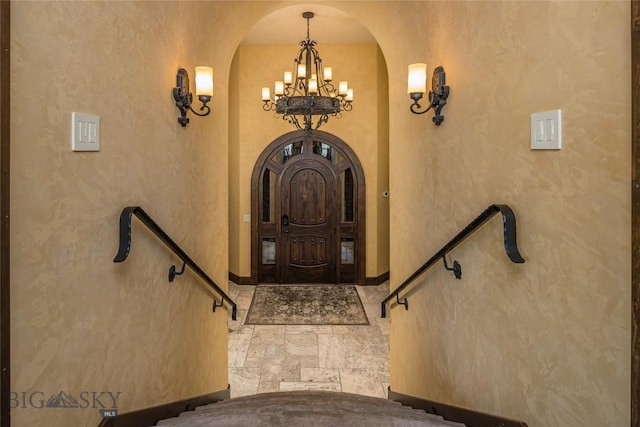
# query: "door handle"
285,223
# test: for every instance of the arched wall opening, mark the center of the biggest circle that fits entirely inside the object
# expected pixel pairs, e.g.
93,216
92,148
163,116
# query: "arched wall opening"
365,129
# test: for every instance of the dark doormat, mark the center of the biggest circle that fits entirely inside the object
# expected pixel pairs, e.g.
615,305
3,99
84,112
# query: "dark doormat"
306,305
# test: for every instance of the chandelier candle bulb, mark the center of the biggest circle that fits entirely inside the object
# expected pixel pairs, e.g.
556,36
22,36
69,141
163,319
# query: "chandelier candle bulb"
343,87
302,71
279,88
349,96
313,86
288,78
266,94
417,80
328,74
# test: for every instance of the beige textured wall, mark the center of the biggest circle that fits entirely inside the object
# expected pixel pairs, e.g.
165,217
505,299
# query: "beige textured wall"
547,341
261,65
79,321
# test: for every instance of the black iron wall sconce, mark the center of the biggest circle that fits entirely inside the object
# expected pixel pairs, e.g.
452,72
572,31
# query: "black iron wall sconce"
184,98
417,86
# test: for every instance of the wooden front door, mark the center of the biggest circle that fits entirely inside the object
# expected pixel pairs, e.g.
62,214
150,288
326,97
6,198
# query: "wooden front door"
307,233
308,211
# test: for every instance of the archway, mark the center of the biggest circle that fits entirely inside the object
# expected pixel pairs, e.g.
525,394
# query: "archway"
251,128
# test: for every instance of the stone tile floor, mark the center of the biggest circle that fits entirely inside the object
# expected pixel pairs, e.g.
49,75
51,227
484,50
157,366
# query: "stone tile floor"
352,359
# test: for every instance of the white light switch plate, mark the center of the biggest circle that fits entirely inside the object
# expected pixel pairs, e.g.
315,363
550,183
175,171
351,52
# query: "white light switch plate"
85,132
246,218
546,130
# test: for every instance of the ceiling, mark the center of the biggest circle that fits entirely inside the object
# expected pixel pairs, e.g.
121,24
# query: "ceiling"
328,26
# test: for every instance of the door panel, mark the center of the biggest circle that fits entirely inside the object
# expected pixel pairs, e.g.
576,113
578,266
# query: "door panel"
308,195
308,251
308,190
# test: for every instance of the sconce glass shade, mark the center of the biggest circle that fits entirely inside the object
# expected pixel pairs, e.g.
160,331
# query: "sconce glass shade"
417,80
204,81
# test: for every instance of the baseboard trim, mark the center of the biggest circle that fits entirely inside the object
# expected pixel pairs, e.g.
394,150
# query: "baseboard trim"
369,281
375,281
468,417
151,416
241,280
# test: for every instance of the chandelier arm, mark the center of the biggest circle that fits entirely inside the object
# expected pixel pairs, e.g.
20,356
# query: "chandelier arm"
323,119
318,66
292,119
307,72
329,87
302,88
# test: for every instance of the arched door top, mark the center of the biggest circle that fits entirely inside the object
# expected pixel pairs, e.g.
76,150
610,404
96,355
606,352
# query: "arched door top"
289,145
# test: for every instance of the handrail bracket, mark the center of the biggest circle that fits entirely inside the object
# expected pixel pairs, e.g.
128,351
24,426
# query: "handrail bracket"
215,304
457,268
403,302
173,273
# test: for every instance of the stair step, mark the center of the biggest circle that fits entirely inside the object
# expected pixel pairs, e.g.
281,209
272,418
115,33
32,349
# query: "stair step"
308,408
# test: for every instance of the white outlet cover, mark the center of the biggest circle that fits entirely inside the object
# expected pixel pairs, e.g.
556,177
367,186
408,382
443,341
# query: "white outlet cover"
546,130
85,132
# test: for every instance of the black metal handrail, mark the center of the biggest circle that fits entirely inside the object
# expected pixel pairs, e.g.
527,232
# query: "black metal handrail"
510,246
125,247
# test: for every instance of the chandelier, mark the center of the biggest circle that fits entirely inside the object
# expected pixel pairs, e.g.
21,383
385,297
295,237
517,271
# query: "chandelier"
307,97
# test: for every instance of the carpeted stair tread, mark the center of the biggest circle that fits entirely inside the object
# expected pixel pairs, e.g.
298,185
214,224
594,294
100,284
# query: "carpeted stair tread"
299,401
308,408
